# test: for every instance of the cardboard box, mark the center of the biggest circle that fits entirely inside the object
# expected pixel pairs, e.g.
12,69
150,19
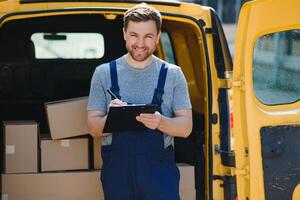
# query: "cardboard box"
67,118
67,154
97,153
52,186
73,185
187,182
21,146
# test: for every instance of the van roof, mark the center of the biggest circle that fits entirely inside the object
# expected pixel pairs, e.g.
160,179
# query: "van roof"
163,2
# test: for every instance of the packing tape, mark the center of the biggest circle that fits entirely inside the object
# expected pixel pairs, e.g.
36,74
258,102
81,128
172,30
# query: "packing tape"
10,149
4,196
65,143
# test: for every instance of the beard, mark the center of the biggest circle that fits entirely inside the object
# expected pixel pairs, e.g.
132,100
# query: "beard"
139,55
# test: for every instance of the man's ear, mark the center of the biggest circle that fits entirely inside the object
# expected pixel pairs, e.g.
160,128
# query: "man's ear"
158,37
124,32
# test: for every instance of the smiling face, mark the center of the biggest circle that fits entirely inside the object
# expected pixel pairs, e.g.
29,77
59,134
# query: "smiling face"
141,39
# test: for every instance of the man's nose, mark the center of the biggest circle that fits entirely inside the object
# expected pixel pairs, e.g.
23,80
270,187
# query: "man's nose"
140,42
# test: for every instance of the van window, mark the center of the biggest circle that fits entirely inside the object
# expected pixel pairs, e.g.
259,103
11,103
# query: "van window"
167,47
68,45
276,68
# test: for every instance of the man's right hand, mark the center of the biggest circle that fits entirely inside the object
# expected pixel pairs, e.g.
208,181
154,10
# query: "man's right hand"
96,119
117,102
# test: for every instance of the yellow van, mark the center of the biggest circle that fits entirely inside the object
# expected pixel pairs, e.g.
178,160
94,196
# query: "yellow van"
246,135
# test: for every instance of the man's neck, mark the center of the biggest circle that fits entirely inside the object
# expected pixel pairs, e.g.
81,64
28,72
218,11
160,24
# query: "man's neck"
138,64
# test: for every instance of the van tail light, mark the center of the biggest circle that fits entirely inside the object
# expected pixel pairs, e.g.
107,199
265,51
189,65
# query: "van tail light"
231,129
236,198
231,119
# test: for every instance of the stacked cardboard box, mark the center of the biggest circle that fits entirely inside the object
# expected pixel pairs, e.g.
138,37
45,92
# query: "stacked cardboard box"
74,185
187,182
21,147
67,154
39,167
67,118
97,153
52,186
59,155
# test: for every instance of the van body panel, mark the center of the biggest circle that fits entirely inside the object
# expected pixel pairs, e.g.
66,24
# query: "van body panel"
257,123
229,160
185,24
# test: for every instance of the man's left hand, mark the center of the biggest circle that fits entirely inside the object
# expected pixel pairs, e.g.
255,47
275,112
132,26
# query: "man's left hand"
151,121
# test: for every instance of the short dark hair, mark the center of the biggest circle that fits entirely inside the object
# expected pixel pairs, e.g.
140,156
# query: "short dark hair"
142,13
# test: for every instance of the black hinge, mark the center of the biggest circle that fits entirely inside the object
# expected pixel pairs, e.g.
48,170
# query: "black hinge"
228,157
214,118
229,185
211,31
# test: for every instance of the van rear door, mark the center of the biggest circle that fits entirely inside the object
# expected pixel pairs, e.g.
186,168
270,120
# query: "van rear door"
266,106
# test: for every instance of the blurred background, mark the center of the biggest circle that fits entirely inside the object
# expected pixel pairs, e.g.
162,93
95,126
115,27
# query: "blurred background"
276,55
228,12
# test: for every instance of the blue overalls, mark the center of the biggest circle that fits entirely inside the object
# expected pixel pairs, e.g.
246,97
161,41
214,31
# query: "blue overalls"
136,166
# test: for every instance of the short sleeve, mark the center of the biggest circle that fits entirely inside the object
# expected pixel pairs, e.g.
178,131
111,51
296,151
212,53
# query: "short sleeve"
181,99
97,98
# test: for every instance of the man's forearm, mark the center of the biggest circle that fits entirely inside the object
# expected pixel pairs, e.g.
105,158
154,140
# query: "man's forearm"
180,126
96,125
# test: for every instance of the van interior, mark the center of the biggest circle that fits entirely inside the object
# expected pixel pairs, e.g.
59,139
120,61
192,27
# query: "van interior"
28,78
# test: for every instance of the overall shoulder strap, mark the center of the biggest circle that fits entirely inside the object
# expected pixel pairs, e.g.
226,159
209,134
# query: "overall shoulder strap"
159,90
114,79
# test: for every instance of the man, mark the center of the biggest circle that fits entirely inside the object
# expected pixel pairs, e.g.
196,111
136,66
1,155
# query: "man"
140,165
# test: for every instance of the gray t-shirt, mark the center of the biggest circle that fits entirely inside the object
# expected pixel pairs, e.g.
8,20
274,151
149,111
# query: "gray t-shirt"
137,86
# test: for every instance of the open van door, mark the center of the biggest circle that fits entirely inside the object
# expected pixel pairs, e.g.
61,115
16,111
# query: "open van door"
266,106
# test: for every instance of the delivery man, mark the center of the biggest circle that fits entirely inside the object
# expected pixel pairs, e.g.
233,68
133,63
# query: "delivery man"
140,165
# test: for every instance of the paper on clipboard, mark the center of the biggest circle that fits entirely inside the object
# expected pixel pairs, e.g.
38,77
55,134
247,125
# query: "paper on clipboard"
123,118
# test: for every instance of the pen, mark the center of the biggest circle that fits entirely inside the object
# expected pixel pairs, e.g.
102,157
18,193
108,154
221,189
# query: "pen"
112,94
115,97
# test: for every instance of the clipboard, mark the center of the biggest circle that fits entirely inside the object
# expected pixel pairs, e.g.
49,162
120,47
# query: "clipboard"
123,118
